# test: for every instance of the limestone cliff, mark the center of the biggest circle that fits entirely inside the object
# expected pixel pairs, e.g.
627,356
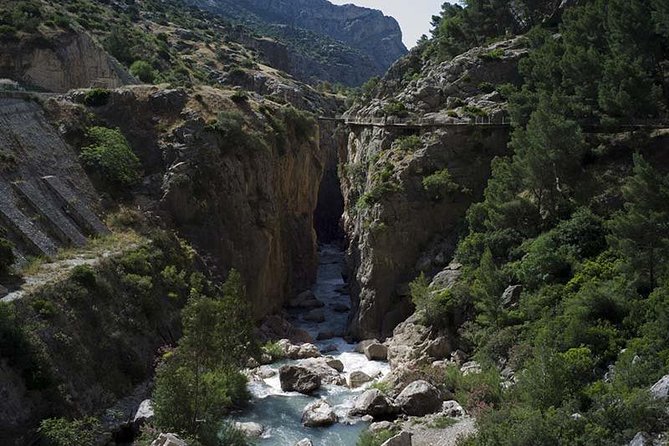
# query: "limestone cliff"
418,155
243,200
59,61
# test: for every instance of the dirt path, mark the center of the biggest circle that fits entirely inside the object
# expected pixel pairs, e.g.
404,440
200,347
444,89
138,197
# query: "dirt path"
427,436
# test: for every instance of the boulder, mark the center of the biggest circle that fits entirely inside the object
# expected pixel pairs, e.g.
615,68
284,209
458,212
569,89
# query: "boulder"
308,351
276,327
318,414
419,398
304,442
459,357
357,378
362,345
315,315
320,367
471,367
373,402
250,429
412,341
330,348
376,352
380,426
143,415
340,308
298,379
660,389
511,296
452,408
335,364
641,439
447,277
168,440
325,335
401,439
265,372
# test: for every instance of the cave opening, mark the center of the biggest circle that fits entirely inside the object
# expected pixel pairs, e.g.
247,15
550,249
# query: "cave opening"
329,208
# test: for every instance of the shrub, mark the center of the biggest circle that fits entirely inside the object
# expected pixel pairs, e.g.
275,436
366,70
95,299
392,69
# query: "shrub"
369,438
111,158
84,275
96,97
239,96
440,184
302,123
63,432
376,193
143,71
273,349
6,256
495,54
408,143
396,108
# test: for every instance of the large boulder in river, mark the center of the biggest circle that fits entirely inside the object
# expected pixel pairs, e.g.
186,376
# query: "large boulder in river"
376,352
304,442
419,398
357,378
298,379
660,389
318,414
250,429
276,327
324,369
373,402
306,299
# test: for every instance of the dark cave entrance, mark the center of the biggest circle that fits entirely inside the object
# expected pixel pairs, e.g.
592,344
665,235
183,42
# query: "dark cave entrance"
330,207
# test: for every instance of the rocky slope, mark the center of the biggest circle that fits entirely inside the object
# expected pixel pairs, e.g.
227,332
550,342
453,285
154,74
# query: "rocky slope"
406,189
59,61
353,43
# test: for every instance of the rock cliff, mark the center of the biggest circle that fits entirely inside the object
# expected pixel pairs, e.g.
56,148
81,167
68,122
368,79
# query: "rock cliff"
242,194
59,61
418,154
345,44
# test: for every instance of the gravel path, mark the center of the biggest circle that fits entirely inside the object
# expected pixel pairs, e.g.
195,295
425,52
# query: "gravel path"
427,436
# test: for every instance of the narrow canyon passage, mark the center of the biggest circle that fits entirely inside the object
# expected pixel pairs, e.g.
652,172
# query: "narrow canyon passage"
280,412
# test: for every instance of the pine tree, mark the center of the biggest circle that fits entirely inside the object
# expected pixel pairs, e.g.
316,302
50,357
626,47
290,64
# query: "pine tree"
641,231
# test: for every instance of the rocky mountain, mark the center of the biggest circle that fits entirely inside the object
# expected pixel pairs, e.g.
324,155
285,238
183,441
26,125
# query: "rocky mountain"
347,44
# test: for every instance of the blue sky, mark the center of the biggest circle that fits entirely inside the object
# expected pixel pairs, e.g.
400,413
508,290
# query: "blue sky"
414,15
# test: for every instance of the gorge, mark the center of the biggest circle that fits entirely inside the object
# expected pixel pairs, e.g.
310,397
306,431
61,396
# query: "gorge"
266,222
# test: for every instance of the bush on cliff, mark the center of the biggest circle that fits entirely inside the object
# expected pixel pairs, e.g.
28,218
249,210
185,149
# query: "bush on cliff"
143,71
110,158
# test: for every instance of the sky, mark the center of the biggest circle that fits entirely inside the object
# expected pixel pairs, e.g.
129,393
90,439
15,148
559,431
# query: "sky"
414,15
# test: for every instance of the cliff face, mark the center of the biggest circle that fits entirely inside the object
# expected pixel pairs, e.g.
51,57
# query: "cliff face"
367,30
246,204
60,61
407,188
318,40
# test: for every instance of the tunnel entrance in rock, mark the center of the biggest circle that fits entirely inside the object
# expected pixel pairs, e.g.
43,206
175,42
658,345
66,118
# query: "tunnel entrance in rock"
330,207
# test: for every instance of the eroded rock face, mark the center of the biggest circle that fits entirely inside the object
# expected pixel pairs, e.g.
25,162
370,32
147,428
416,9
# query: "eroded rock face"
65,61
397,227
249,208
414,342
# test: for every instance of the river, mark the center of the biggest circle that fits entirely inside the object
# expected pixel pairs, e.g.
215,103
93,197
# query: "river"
281,412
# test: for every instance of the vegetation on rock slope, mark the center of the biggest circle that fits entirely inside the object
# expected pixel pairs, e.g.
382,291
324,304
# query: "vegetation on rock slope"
579,220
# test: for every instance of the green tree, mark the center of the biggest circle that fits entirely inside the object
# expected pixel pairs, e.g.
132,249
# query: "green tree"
487,292
200,381
548,154
6,256
143,71
641,231
111,158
